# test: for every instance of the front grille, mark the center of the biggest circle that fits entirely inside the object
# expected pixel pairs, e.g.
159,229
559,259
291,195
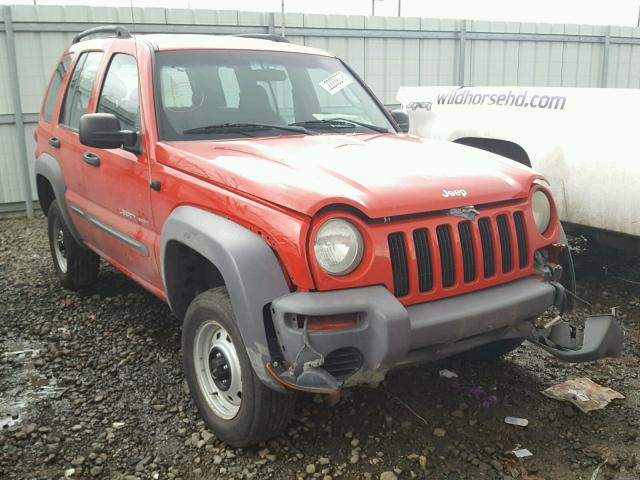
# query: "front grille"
398,255
469,253
521,236
343,362
488,255
505,243
446,255
423,256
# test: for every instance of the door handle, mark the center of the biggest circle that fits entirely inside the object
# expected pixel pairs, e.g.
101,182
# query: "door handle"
54,142
91,158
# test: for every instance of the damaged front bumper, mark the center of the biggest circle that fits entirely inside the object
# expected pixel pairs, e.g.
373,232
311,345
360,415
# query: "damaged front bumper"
602,337
385,334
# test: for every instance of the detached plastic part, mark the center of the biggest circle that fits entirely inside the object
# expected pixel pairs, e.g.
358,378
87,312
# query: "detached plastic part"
602,337
312,380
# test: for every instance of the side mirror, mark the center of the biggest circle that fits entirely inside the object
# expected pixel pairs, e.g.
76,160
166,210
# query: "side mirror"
102,130
402,119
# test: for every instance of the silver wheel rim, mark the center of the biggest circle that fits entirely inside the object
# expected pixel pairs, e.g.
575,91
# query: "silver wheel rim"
59,247
218,369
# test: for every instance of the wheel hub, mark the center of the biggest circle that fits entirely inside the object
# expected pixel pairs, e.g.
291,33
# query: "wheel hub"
60,243
59,249
219,368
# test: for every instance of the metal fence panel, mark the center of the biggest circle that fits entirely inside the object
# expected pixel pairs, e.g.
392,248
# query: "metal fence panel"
386,51
11,183
6,106
624,66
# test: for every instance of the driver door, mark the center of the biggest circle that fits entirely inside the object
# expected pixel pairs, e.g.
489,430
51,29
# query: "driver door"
117,180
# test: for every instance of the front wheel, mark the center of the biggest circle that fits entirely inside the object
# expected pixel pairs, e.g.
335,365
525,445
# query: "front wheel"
231,399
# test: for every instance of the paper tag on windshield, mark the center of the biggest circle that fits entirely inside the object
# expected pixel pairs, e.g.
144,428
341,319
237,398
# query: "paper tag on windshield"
336,82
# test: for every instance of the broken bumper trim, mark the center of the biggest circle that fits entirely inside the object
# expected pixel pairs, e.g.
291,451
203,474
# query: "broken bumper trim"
602,337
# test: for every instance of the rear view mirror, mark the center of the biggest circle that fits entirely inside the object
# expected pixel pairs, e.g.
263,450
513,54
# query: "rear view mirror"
402,119
268,75
102,130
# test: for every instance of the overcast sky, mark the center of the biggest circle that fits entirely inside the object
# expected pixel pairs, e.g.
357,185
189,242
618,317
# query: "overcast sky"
599,12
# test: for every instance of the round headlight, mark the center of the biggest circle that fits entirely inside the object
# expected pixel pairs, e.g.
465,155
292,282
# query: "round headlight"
541,210
338,247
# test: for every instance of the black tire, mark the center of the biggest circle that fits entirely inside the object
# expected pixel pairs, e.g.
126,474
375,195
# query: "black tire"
492,351
263,412
79,267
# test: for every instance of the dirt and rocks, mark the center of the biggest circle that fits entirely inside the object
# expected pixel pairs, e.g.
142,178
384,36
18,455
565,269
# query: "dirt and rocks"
91,387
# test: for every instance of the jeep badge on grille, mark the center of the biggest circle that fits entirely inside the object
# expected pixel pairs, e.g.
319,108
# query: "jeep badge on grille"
468,213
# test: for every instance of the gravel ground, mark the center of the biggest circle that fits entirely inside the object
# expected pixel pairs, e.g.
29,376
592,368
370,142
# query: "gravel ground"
91,386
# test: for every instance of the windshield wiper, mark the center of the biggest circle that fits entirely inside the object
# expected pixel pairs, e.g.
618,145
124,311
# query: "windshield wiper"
339,123
241,127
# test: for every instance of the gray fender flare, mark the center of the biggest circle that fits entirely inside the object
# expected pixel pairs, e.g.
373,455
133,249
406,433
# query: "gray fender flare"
251,272
49,168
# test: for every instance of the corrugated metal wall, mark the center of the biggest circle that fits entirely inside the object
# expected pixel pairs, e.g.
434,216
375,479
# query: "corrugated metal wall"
387,51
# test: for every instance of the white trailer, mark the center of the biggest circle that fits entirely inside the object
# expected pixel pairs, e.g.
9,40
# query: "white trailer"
584,140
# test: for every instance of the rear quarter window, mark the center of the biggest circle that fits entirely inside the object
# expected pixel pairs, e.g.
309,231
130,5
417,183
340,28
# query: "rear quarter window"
54,87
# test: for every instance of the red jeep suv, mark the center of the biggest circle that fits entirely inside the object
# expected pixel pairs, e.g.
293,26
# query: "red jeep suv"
303,241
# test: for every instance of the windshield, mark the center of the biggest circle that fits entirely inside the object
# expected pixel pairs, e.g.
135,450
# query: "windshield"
216,94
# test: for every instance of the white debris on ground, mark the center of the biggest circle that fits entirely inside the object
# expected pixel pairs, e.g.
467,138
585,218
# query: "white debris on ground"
583,393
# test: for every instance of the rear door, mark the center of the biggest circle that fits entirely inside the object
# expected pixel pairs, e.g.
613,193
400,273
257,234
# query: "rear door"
64,140
117,180
48,143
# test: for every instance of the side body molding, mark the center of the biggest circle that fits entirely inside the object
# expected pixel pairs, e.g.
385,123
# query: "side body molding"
49,168
249,267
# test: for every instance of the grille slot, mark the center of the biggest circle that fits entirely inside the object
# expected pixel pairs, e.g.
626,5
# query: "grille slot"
468,253
423,255
443,232
505,243
521,236
398,252
488,254
343,362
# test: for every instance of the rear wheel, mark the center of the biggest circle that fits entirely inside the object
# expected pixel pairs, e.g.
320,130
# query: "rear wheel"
75,265
236,406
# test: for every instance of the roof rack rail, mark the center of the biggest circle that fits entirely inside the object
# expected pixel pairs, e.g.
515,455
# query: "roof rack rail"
264,36
116,30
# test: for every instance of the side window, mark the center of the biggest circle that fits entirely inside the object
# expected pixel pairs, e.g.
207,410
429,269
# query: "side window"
176,88
79,90
54,88
230,87
119,94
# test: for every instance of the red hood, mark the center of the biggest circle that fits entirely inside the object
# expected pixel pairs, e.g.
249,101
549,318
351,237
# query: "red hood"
381,175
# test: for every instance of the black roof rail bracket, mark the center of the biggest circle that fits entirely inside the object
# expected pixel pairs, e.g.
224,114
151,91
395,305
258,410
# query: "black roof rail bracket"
116,30
264,36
